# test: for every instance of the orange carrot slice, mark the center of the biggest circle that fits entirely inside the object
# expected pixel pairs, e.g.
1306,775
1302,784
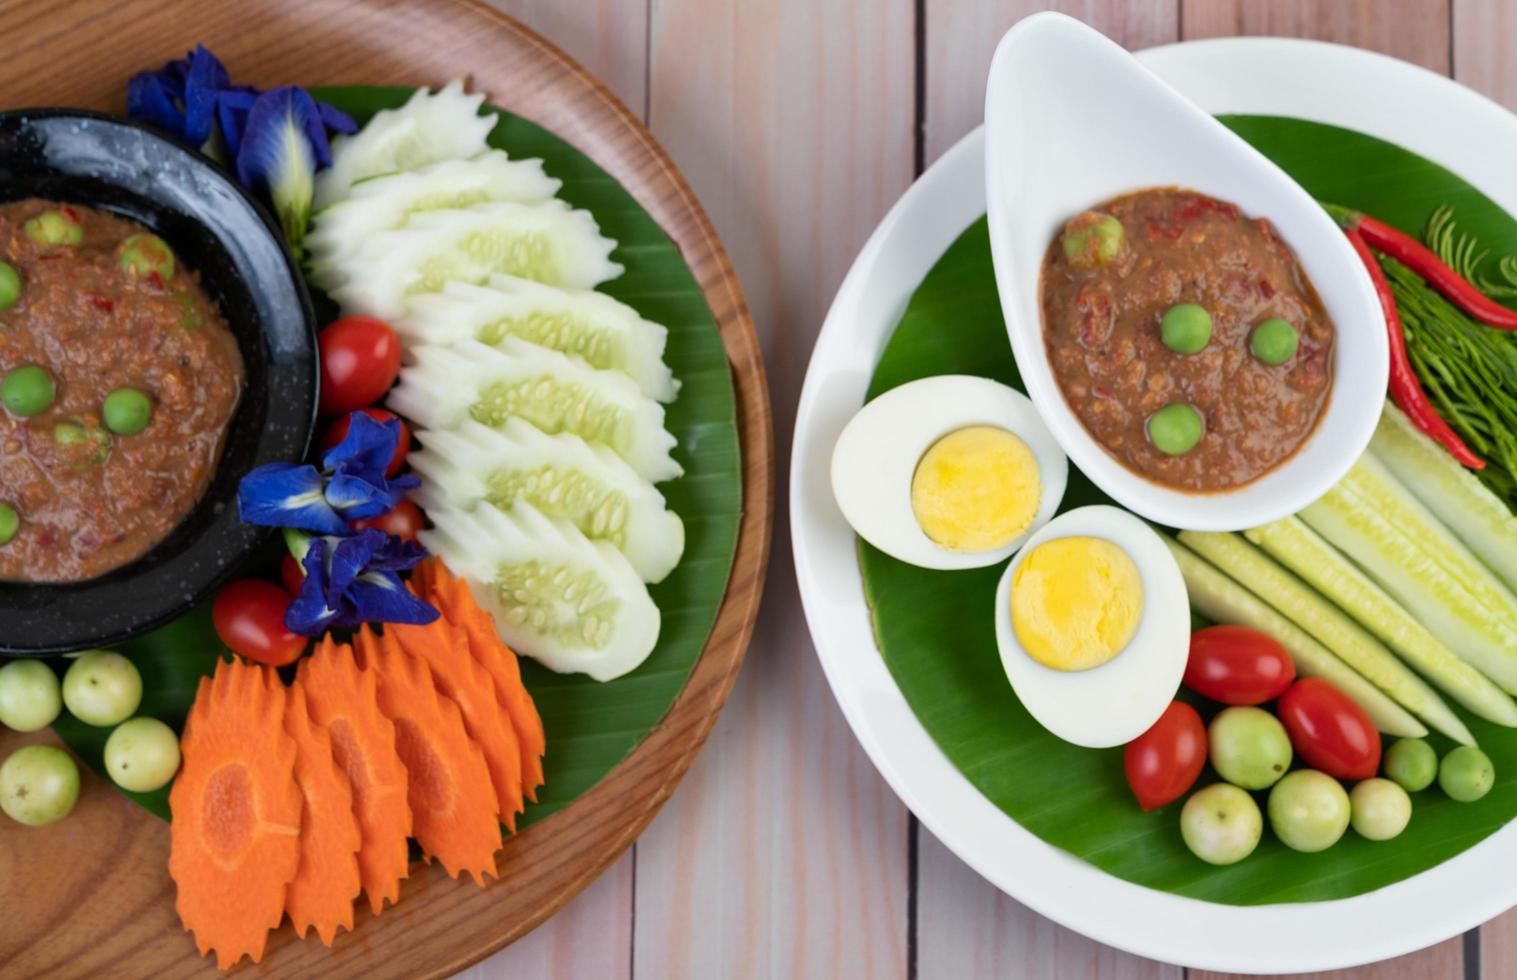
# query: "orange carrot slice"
452,800
453,599
345,701
327,881
235,837
462,679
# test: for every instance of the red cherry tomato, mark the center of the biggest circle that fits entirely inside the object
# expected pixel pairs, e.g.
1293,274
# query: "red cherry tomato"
337,430
1237,665
1328,730
1162,764
291,574
249,618
360,357
403,520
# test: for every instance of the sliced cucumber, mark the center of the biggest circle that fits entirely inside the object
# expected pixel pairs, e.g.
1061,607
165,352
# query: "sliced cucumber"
574,605
384,203
591,326
1300,603
548,242
431,126
446,385
1222,600
562,476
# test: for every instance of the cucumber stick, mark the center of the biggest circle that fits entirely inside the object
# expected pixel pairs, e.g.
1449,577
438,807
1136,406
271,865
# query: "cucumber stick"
1302,605
1222,600
1321,566
1384,530
1451,492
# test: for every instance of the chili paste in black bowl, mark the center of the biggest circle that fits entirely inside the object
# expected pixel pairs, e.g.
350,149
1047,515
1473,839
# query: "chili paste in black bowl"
231,272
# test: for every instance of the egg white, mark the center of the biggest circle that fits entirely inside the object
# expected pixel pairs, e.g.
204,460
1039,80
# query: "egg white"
1116,702
877,455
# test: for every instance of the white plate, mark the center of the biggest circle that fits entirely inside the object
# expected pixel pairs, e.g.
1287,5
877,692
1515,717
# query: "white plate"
1416,109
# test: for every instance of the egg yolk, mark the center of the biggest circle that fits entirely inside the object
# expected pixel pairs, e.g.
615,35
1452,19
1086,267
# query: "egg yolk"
976,489
1076,602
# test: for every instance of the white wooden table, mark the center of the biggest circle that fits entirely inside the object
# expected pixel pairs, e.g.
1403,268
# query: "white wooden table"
799,122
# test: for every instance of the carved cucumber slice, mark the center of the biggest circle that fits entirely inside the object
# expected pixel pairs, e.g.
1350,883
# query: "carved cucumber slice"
572,604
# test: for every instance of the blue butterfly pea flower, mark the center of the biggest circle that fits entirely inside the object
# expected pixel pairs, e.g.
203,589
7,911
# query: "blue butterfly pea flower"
350,486
355,580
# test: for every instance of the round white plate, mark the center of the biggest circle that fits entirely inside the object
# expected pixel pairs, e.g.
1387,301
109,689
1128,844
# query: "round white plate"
1425,113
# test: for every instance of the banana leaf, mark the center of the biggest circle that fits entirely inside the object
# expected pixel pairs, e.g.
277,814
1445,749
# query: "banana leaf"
936,629
590,726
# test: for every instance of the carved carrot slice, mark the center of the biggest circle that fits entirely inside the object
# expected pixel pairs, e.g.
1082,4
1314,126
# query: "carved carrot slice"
345,701
453,599
453,811
327,881
461,678
235,837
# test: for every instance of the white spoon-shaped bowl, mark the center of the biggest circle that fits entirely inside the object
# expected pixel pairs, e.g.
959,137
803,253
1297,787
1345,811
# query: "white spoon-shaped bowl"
1071,120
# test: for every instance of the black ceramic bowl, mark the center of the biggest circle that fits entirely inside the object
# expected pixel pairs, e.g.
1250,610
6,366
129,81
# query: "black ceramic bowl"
221,232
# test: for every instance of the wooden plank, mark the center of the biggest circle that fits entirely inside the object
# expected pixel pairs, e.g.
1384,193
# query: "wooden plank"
1484,35
609,37
783,853
591,937
966,927
961,37
969,928
1444,961
1413,30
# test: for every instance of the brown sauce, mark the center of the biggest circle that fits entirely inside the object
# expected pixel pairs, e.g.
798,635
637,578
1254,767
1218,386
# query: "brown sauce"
1101,326
89,506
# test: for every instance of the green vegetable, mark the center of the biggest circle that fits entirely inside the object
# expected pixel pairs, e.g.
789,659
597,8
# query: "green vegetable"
29,695
1308,810
54,228
27,390
1248,747
10,285
142,754
1175,429
102,688
1325,569
1274,341
1353,645
39,785
127,411
1379,809
1221,824
145,253
1220,599
1454,494
84,441
1092,239
1377,523
10,522
1466,774
1412,764
1469,371
1186,328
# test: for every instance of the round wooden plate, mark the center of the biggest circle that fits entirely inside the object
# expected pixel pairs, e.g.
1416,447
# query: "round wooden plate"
91,895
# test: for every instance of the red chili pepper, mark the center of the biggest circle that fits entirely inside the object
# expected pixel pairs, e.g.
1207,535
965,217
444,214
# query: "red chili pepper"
100,303
1406,390
1426,263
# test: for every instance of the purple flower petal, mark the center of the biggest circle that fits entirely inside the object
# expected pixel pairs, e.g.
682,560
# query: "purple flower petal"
353,580
232,108
287,495
276,157
149,99
337,120
204,80
380,597
358,487
309,613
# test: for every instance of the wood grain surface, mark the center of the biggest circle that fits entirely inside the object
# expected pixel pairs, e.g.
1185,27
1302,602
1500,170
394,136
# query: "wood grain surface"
957,925
90,896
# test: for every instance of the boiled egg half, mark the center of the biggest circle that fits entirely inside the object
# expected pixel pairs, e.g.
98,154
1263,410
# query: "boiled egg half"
1093,626
948,472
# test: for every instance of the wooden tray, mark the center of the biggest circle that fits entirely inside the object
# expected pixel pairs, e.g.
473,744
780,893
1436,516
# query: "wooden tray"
91,895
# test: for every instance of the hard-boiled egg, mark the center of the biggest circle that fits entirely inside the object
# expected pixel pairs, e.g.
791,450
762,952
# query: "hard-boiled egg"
948,472
1093,625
